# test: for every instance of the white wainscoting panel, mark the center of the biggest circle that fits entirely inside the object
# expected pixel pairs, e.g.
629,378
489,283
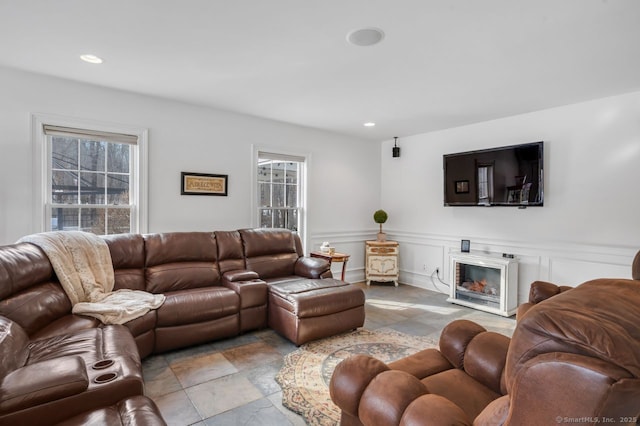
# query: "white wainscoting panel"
351,243
575,271
421,254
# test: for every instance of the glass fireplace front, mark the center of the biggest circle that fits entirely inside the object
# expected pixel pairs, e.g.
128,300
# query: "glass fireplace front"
484,282
478,284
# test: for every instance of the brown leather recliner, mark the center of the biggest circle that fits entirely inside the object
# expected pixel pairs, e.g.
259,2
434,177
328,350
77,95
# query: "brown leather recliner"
48,380
573,358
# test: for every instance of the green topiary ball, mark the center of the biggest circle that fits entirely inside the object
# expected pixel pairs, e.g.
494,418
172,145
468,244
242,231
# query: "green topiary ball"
380,216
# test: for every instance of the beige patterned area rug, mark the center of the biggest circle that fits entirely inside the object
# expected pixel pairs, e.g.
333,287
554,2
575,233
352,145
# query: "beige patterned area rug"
305,375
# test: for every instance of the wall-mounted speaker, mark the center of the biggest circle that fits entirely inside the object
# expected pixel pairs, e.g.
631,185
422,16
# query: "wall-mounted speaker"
395,151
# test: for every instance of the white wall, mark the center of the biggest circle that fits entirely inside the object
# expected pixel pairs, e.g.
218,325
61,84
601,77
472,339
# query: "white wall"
588,227
343,174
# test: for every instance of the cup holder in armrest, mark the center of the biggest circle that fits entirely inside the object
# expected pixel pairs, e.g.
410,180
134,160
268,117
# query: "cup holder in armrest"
105,378
103,363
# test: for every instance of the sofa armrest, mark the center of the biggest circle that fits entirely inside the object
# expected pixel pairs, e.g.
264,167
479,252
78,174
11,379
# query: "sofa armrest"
43,382
480,353
239,275
312,267
495,413
350,378
542,290
455,338
252,290
387,397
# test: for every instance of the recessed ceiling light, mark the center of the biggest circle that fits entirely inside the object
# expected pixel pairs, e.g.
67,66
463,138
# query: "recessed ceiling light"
92,59
365,36
369,124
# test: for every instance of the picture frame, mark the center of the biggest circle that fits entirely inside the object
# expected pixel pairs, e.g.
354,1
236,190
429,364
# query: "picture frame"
465,246
203,184
462,187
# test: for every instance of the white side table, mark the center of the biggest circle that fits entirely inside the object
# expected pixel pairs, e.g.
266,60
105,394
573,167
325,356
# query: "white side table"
381,263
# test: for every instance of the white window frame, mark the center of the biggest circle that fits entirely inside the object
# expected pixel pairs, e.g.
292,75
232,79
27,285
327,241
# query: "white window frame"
42,170
255,209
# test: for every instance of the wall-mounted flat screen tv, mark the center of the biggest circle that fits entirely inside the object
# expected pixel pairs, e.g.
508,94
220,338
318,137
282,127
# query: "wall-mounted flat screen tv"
506,176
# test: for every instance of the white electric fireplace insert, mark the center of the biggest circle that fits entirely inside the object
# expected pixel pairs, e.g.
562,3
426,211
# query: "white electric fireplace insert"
485,282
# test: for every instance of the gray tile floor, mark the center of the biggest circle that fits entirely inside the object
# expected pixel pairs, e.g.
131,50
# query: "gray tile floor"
231,382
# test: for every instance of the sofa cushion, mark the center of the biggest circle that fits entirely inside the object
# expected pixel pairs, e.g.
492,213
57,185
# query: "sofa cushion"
143,324
173,247
36,307
180,260
461,389
69,323
485,357
30,293
108,342
13,346
197,305
262,241
270,252
312,298
230,251
21,266
127,256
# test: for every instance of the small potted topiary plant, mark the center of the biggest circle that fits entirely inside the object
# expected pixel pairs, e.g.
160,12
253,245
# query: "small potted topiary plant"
380,217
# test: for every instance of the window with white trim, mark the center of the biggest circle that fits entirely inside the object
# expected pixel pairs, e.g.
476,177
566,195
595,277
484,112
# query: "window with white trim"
91,181
485,183
280,191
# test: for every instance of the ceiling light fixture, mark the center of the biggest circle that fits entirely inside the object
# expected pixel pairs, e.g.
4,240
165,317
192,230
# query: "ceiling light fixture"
92,59
369,124
365,36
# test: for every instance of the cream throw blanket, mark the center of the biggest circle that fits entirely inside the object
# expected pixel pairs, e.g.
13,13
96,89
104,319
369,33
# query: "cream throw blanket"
82,262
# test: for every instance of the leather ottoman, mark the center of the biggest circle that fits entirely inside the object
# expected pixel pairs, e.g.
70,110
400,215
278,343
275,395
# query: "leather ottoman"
310,309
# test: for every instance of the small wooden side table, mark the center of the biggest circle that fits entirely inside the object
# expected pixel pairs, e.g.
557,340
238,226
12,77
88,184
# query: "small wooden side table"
335,257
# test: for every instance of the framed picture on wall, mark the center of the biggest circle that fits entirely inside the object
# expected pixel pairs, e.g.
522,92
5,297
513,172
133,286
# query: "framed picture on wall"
203,184
465,246
462,186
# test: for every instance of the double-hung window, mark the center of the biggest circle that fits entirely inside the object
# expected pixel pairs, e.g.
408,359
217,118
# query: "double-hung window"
91,181
485,183
280,191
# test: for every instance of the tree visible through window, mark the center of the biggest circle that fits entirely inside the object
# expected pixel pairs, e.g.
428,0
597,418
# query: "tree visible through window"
280,180
90,184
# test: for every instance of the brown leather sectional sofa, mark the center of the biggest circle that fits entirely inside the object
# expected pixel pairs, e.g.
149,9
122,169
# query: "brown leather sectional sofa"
574,358
56,366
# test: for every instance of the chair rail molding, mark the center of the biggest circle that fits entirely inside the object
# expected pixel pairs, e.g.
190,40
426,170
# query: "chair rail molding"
566,263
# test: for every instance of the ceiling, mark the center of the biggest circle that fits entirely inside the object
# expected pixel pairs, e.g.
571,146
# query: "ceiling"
442,63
